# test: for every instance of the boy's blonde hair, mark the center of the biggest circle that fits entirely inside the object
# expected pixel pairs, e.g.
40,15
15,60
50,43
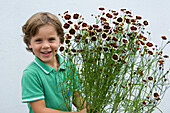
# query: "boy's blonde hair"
32,25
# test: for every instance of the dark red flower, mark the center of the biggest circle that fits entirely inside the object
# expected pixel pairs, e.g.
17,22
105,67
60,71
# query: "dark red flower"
93,38
115,57
145,23
61,48
128,12
150,78
133,20
125,40
67,41
116,23
114,45
105,49
109,15
76,26
119,19
133,28
67,16
127,21
143,43
104,35
166,56
80,22
68,36
66,25
164,37
144,103
103,19
70,22
76,16
156,94
101,8
115,13
96,26
138,17
149,44
72,31
84,25
114,38
150,52
73,50
122,9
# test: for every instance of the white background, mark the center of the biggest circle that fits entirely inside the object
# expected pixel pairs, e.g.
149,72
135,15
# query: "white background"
14,58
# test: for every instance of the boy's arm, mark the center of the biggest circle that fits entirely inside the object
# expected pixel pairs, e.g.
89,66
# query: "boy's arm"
79,100
40,107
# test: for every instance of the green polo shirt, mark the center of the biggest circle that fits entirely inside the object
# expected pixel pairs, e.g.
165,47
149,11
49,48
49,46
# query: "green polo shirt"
41,81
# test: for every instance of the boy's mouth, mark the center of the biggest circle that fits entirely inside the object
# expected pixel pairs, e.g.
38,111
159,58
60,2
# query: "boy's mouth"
46,53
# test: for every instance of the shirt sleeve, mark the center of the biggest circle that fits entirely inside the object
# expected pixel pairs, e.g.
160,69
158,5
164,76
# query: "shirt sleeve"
32,89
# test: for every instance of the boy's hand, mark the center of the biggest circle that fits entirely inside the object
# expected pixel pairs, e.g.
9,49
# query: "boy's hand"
83,111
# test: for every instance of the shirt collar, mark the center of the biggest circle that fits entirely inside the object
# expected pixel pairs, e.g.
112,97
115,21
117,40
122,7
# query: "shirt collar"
46,68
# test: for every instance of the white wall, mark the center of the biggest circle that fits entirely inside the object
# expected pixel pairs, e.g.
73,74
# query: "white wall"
14,58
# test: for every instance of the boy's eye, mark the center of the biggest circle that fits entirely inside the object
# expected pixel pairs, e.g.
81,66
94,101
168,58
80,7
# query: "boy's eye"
38,40
51,39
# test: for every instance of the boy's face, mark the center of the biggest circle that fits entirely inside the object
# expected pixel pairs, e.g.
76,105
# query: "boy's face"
45,43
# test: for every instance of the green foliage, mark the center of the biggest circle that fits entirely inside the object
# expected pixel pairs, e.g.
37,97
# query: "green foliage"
120,69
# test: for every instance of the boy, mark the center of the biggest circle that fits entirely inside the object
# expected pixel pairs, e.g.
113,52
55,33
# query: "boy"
42,80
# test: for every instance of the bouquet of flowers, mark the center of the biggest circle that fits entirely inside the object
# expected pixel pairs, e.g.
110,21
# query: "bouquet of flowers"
120,69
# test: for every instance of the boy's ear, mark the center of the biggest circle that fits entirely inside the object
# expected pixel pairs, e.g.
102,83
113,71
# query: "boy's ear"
29,45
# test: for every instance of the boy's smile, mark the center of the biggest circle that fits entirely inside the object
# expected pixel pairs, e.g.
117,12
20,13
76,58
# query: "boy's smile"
45,43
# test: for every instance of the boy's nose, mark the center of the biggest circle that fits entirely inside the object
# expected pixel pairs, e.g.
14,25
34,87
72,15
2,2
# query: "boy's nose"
45,45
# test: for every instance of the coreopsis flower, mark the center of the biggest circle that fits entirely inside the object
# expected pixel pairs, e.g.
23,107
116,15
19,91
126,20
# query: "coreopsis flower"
155,94
125,40
80,22
66,25
138,17
149,44
76,26
115,57
95,26
119,19
84,25
93,38
115,13
67,41
127,21
72,31
150,52
133,20
103,19
122,9
145,23
114,45
150,78
70,22
166,56
61,48
76,16
109,15
68,36
114,38
133,28
164,37
144,103
101,8
128,12
104,35
143,43
67,16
